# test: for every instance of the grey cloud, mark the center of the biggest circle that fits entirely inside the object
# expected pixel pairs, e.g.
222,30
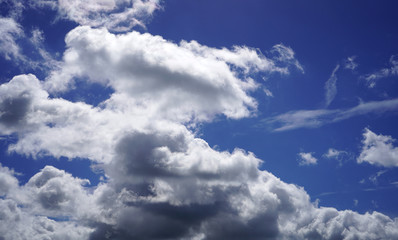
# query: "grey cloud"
162,181
20,221
161,173
8,182
14,110
10,31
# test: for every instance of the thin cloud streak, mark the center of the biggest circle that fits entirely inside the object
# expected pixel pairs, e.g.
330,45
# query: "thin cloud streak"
330,86
319,117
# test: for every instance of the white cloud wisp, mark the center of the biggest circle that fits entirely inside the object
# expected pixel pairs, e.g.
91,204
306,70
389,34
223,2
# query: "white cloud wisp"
317,118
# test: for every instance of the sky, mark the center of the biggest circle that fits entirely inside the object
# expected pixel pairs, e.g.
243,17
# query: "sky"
166,119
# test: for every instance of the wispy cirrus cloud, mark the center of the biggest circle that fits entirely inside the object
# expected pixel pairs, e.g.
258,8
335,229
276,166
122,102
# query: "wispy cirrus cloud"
330,86
115,15
350,63
319,117
392,70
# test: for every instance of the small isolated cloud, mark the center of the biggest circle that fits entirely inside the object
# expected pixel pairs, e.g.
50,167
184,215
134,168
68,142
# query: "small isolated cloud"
307,159
392,70
268,92
330,87
374,178
319,117
378,150
333,153
356,202
338,155
350,63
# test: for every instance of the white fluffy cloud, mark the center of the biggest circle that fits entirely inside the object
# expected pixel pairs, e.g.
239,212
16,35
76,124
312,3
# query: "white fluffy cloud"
307,159
21,208
378,150
182,82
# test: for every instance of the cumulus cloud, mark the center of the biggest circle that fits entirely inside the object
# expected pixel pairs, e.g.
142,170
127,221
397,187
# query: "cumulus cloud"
160,172
191,81
186,190
372,78
10,31
156,170
18,207
378,150
307,159
330,87
319,117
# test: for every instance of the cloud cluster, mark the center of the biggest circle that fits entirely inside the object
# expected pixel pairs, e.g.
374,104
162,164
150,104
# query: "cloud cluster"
158,173
190,81
161,181
186,190
378,150
26,211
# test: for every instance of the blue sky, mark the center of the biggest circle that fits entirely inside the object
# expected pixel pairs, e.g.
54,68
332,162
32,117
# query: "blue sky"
238,110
